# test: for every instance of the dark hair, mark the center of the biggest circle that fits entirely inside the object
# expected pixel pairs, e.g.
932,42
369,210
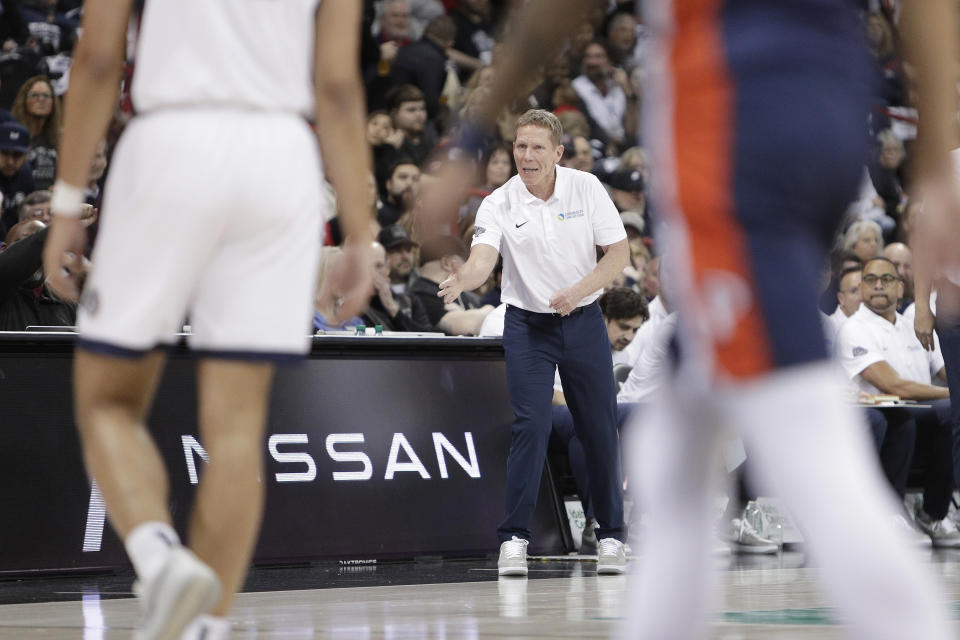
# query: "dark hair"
403,93
441,29
603,43
847,272
839,256
399,161
622,303
440,247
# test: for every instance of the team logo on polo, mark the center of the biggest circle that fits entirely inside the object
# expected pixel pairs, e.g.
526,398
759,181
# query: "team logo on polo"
859,351
478,231
570,214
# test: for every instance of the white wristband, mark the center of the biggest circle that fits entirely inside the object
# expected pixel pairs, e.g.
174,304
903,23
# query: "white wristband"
67,200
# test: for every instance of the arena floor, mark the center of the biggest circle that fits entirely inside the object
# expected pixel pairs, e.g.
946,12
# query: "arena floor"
769,598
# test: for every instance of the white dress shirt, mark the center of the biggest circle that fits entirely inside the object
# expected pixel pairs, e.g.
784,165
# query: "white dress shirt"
607,110
867,338
547,245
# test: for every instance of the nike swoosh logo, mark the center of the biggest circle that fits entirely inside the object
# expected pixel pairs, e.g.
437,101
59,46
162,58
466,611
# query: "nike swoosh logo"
522,223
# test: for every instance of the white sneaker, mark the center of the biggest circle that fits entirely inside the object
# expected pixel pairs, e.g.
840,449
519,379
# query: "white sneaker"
513,557
943,533
183,589
916,538
745,539
611,557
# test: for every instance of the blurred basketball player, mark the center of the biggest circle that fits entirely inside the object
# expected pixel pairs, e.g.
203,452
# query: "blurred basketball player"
203,219
756,119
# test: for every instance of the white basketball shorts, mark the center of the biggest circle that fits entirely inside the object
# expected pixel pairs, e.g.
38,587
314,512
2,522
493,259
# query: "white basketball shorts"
211,217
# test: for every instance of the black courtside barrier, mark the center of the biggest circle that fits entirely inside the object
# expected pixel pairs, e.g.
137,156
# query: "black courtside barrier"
376,448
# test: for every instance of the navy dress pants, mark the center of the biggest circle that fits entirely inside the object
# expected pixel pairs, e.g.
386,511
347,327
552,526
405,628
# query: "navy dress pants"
535,344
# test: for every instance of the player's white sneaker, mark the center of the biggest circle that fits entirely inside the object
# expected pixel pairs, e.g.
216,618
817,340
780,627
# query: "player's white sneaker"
513,557
184,588
611,557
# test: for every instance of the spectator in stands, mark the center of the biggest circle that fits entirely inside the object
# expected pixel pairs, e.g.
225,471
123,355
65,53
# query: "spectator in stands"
901,256
394,23
16,175
840,260
608,96
408,111
555,74
36,206
474,29
328,299
421,13
864,238
440,257
577,153
622,39
651,279
52,30
424,63
881,352
393,312
37,107
401,253
25,299
401,187
849,297
883,46
497,167
884,174
97,168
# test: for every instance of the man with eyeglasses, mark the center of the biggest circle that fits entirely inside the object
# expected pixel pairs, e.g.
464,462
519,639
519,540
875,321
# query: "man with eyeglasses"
16,175
881,353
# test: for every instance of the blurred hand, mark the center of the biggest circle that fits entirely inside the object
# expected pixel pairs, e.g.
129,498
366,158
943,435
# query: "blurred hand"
395,137
923,325
63,262
388,51
352,276
565,300
452,287
88,214
935,240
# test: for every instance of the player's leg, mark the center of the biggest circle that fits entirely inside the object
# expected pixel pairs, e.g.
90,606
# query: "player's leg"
112,398
233,403
813,451
672,452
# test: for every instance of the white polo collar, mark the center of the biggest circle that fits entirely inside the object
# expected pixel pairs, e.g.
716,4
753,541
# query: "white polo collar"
871,316
528,198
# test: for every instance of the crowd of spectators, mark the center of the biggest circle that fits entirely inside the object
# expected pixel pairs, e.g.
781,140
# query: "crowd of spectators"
426,65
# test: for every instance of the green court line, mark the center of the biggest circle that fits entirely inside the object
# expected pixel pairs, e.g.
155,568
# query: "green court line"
819,616
815,616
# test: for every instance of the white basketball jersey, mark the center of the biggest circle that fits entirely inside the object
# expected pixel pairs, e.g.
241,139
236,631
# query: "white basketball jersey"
252,54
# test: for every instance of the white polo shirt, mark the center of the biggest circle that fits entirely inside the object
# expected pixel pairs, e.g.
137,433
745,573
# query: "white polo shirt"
547,246
867,338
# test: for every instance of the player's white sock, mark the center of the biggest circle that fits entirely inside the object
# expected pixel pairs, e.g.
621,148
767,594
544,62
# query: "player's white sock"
207,627
148,545
809,447
672,448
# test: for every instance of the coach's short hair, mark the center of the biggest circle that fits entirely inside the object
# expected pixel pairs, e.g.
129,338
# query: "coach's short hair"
545,120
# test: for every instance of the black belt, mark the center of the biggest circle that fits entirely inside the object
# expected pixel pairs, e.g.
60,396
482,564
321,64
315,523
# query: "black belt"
553,315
